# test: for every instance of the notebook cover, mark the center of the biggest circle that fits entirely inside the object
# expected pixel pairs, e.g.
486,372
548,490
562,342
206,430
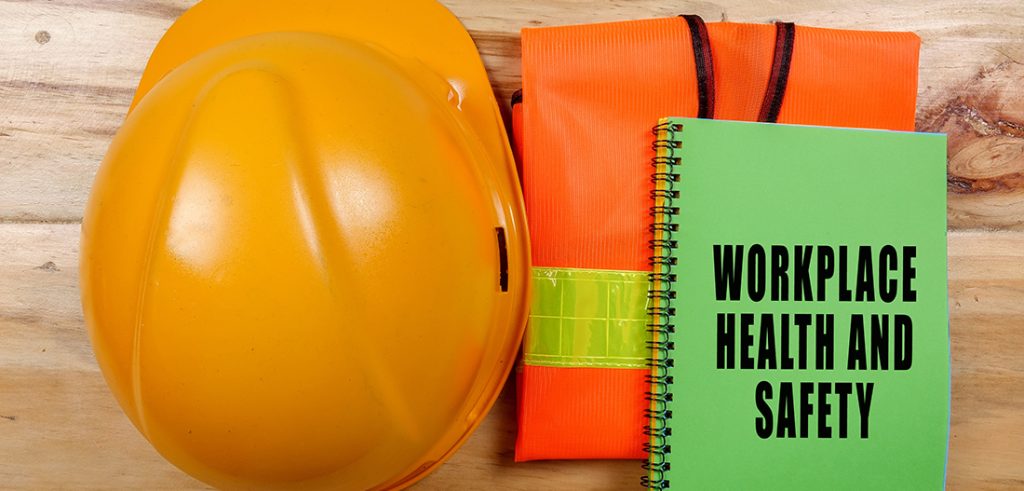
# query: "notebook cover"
758,383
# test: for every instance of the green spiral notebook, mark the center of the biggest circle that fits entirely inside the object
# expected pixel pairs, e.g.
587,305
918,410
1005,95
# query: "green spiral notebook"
799,308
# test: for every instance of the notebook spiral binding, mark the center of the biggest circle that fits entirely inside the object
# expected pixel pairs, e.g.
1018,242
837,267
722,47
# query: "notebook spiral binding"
661,294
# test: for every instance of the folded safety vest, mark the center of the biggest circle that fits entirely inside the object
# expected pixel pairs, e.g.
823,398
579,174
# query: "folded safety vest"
591,94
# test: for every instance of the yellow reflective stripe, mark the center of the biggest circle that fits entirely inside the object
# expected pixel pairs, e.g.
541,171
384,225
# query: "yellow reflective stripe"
588,318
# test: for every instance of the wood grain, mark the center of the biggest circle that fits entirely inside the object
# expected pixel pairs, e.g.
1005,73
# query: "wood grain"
68,69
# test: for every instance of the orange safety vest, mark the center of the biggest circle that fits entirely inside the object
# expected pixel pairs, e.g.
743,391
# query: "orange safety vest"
590,95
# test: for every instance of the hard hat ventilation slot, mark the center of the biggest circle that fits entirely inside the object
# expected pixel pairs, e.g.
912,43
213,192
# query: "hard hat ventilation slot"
502,259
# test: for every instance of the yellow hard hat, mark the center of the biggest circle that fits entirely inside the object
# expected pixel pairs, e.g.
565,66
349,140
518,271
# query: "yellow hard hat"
305,261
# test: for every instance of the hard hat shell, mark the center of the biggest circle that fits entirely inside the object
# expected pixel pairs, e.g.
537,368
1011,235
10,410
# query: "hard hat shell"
304,260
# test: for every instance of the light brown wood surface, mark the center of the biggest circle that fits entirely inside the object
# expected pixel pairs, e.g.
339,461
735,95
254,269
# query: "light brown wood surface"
68,69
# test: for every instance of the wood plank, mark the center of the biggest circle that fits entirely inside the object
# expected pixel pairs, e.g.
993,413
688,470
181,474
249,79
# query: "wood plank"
986,287
71,66
62,428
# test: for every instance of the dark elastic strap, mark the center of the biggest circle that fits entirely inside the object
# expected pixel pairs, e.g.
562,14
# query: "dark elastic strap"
517,97
705,66
776,91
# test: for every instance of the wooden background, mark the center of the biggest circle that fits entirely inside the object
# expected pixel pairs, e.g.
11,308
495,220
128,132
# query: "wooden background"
68,69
